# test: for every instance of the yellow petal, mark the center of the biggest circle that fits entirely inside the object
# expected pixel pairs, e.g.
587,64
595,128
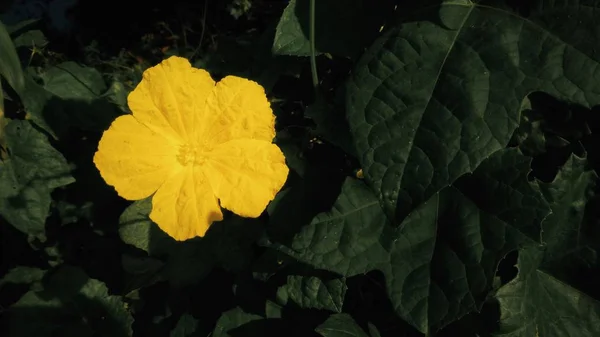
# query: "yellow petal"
246,175
171,97
237,108
185,205
134,159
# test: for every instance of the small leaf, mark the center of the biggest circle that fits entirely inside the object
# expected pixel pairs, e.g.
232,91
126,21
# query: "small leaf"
340,325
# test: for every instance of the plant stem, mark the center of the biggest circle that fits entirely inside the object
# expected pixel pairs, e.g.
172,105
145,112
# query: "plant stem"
313,52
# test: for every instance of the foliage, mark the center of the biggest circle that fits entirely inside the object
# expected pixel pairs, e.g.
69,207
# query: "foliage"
443,175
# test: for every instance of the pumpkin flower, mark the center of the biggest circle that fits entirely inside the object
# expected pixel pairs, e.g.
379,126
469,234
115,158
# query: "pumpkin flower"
194,146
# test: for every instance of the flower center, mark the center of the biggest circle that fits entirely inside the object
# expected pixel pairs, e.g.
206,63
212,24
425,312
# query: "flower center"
189,154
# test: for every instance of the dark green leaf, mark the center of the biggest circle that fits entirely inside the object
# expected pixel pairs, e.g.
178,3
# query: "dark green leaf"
310,292
440,264
538,304
73,95
27,178
340,325
544,299
23,275
186,326
141,271
186,262
10,66
342,28
331,125
31,39
568,195
500,186
227,243
71,304
441,91
232,319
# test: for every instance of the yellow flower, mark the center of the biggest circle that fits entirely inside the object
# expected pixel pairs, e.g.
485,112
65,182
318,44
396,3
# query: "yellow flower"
195,145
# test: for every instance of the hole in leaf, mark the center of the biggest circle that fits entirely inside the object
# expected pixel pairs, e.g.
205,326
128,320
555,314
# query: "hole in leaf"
507,268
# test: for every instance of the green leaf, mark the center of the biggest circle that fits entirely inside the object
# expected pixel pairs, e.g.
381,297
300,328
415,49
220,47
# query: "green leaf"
23,275
342,28
2,117
73,95
141,271
136,229
340,325
500,186
70,80
232,319
538,304
439,265
33,169
185,262
71,304
310,292
186,326
331,124
10,66
568,196
442,90
31,39
228,244
544,299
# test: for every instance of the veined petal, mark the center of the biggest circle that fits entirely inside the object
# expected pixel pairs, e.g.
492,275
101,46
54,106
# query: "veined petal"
134,159
171,98
238,109
246,175
185,205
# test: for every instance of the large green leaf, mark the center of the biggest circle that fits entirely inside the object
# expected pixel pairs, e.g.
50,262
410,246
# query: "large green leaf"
33,169
342,28
440,263
71,304
441,91
543,300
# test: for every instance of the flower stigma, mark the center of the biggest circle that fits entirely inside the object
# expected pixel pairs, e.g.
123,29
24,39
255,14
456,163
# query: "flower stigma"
189,154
